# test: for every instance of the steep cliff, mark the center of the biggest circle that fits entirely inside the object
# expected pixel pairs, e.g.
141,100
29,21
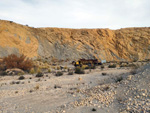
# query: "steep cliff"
60,43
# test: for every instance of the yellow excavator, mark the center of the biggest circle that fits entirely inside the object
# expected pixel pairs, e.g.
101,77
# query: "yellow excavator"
86,63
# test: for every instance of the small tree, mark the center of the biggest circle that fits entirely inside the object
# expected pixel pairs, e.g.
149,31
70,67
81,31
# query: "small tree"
21,62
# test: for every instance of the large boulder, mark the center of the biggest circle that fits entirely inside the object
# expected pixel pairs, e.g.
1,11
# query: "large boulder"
14,71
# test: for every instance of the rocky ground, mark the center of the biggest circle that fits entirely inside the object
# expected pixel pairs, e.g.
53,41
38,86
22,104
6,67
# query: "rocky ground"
119,90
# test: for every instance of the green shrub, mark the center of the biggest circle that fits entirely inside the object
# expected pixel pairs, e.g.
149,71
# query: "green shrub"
38,70
21,73
112,66
39,74
3,73
70,73
59,73
87,67
93,67
79,71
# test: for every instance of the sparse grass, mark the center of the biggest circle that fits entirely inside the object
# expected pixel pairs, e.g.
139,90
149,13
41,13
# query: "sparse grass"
59,73
78,90
58,68
85,67
49,70
21,73
93,67
37,87
39,70
65,67
54,67
38,80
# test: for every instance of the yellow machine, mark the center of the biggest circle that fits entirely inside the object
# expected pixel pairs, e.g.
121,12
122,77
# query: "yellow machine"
85,62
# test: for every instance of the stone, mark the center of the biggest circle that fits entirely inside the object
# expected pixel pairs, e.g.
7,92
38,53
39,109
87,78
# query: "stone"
14,71
130,77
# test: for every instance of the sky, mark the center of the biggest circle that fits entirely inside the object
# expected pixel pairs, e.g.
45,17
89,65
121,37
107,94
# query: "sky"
113,14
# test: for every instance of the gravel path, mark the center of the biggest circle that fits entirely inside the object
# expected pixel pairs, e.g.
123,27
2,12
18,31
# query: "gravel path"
86,93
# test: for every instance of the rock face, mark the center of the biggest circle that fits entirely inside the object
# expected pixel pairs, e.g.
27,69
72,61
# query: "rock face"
62,44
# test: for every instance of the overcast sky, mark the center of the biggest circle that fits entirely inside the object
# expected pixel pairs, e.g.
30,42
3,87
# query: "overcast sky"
113,14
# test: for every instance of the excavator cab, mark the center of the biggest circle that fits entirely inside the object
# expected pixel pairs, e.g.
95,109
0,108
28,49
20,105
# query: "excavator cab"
77,63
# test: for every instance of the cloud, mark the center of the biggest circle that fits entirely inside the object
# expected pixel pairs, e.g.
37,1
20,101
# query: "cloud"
112,14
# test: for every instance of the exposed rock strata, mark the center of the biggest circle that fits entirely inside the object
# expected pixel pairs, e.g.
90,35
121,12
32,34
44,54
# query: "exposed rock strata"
61,43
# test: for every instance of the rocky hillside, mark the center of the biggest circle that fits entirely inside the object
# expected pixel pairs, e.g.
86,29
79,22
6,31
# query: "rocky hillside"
60,43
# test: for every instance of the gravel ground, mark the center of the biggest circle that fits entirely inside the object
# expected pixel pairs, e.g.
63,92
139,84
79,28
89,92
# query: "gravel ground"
117,91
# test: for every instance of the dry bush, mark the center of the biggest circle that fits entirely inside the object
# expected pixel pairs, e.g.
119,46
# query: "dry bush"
21,62
70,73
118,79
49,70
21,78
104,74
2,65
37,87
79,70
59,73
32,71
102,67
112,66
39,74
